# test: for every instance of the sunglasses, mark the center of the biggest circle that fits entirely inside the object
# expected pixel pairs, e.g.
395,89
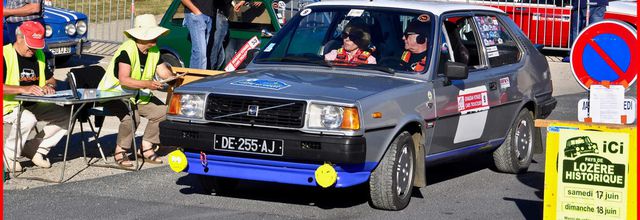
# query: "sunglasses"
406,35
351,36
346,35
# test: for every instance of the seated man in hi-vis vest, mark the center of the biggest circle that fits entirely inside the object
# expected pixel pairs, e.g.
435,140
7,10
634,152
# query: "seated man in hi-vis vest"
26,72
133,69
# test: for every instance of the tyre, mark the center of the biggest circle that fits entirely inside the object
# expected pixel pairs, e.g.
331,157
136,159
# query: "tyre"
171,59
391,183
217,185
514,155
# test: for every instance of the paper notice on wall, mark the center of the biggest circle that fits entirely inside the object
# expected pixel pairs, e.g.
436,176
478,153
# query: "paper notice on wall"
606,104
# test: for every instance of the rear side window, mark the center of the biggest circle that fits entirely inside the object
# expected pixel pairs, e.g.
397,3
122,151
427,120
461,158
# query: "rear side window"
500,47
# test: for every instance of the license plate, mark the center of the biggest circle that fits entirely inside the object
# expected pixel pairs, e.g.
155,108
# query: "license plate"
248,145
60,50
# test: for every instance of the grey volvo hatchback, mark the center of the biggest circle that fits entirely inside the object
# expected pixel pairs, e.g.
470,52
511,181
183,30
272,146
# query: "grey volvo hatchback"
312,110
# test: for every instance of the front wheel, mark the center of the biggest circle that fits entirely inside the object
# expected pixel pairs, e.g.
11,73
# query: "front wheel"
515,154
391,183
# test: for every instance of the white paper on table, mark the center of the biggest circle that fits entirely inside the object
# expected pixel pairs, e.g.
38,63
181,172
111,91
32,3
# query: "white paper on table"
606,104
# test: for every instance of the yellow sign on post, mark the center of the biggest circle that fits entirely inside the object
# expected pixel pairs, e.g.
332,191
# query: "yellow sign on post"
590,171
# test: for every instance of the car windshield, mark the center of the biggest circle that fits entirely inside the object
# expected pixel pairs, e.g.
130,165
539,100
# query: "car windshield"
354,38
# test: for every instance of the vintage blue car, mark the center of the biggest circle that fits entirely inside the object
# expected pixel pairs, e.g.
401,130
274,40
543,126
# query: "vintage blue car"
66,33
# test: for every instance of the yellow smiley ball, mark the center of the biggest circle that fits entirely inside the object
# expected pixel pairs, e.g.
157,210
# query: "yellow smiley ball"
326,175
177,161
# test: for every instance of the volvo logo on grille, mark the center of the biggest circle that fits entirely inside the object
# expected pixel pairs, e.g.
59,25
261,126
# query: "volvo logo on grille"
253,110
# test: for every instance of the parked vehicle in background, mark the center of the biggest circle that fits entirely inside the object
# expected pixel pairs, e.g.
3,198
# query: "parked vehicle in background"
547,22
66,33
294,117
176,46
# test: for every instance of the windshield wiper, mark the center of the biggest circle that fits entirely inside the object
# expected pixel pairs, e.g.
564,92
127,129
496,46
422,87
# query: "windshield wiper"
297,59
378,67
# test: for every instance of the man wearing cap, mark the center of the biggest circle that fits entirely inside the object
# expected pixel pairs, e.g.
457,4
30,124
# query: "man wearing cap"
17,11
133,69
25,72
414,58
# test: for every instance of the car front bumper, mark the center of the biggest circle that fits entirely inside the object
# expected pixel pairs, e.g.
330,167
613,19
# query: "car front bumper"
297,165
298,146
274,171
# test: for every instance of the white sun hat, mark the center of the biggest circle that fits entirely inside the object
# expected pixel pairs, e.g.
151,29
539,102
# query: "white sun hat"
146,28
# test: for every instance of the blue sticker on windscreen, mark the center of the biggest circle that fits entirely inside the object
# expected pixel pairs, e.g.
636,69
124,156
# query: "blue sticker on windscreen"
262,83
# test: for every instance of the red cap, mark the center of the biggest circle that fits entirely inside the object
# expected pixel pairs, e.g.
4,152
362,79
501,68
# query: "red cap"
33,34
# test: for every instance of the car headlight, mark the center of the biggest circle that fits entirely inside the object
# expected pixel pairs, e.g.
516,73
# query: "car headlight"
70,29
81,27
48,31
333,117
187,105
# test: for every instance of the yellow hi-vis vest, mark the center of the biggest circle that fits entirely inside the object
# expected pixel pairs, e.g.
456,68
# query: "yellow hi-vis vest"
13,75
110,83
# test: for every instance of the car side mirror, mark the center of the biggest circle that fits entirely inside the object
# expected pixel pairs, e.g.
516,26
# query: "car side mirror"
455,70
264,33
250,55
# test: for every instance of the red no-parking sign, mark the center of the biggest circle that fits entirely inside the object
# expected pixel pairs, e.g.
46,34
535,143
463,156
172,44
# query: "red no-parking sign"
605,51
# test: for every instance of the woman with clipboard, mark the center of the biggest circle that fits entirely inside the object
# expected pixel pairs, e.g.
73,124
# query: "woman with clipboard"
132,69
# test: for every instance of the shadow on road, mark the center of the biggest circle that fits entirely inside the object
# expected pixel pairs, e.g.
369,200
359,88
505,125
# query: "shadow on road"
75,146
284,193
534,180
530,209
459,167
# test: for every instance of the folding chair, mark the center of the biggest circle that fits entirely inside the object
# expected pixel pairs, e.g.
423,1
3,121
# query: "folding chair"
89,77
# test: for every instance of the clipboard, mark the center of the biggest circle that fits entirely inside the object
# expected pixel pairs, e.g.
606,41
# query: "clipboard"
173,78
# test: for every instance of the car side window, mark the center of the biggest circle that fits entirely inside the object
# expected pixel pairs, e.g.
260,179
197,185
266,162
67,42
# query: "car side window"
500,47
463,45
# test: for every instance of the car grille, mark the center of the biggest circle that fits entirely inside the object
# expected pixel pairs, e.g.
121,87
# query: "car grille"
228,108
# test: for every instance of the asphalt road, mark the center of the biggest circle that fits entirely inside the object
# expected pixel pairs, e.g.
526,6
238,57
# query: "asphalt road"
467,189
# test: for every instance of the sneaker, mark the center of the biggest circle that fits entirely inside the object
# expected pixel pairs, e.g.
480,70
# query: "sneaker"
41,161
10,166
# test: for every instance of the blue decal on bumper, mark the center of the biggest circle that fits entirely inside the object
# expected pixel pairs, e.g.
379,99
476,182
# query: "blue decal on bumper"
276,171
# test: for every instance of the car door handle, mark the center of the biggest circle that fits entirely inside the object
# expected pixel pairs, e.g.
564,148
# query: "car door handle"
492,86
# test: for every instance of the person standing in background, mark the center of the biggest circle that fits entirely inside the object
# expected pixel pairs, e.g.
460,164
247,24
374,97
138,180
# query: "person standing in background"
199,15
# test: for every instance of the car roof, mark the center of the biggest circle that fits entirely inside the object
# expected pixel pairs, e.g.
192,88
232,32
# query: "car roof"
435,7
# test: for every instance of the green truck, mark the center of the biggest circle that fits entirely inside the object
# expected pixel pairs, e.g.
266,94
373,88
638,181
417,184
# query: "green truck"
262,21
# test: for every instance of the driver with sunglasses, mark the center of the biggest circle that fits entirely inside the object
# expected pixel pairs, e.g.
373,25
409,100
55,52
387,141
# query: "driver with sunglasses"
414,58
355,47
